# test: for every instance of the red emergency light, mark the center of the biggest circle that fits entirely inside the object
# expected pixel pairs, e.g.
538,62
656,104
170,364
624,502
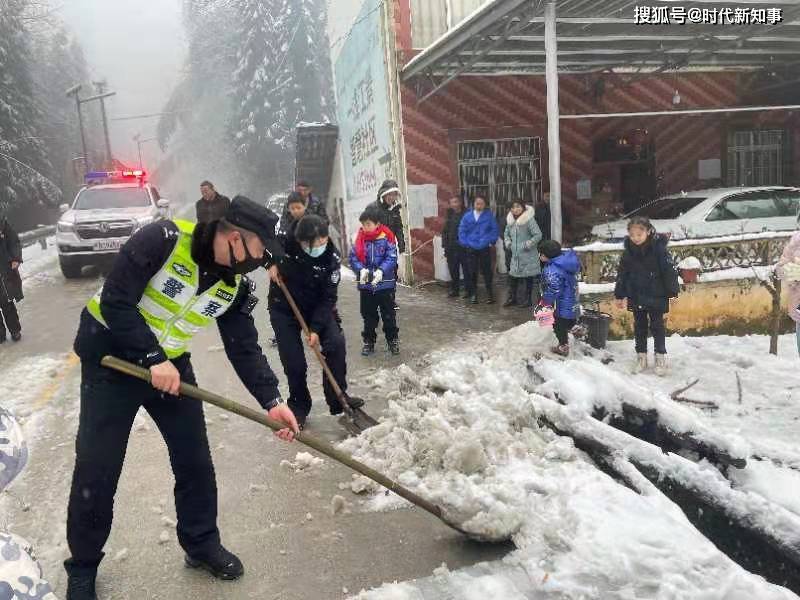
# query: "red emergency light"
137,173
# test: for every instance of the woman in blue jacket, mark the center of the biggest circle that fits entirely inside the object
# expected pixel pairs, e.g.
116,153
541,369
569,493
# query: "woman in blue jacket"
477,233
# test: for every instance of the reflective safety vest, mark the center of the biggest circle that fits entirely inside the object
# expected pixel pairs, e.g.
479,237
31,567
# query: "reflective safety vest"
170,305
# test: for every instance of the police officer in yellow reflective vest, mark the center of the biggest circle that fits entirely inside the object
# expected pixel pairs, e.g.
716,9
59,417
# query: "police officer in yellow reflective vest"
170,280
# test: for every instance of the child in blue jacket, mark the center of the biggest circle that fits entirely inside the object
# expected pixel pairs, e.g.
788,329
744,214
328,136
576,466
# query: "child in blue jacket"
560,293
373,258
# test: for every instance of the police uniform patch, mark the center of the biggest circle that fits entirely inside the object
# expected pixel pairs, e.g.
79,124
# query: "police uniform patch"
182,270
336,276
227,296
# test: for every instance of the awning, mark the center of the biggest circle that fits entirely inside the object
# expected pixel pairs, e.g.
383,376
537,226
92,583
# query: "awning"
507,37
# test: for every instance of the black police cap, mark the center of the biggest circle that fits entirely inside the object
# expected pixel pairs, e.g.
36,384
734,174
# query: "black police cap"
248,215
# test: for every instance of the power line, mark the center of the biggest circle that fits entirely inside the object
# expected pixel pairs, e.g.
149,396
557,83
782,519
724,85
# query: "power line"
363,18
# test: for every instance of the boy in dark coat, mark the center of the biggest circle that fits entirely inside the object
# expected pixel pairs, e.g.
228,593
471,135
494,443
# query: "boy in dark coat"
388,205
453,251
373,258
10,281
560,290
647,278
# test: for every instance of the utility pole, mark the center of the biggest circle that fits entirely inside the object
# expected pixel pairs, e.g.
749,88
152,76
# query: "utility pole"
139,141
101,88
74,91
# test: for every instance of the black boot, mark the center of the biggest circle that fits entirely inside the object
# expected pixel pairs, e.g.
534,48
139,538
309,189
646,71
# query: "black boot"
16,336
512,291
489,297
529,295
394,347
219,562
80,586
368,349
473,299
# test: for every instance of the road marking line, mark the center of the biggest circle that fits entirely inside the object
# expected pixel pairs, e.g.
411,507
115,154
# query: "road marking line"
51,389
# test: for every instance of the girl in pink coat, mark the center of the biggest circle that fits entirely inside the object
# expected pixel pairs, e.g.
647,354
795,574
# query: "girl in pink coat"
788,269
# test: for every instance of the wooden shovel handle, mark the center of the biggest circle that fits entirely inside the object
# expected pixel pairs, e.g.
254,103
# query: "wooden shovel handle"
317,352
317,444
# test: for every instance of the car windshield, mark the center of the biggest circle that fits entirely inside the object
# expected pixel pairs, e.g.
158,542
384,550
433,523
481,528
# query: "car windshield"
132,197
667,208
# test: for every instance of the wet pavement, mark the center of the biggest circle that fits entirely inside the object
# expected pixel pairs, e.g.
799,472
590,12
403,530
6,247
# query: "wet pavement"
278,521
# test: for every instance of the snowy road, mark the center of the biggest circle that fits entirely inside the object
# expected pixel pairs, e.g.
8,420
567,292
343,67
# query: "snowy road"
264,508
459,423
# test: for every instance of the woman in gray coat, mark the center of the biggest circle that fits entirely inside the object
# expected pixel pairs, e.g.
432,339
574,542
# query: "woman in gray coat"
522,237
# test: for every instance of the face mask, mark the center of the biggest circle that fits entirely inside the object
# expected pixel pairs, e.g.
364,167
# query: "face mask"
248,265
316,252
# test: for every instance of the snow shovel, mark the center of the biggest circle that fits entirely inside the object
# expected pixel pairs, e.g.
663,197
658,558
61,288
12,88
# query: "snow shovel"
355,420
321,446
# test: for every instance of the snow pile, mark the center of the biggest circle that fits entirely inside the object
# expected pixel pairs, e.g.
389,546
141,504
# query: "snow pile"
303,461
465,435
38,262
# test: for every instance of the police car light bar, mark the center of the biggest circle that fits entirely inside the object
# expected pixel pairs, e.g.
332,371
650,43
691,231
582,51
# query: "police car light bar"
95,176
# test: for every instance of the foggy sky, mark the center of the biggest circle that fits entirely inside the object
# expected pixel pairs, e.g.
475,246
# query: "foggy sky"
139,47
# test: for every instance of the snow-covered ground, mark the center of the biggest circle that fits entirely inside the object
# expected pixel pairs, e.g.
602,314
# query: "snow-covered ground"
463,431
39,265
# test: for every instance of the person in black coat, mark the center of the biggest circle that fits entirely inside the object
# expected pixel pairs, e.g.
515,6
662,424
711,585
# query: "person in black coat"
388,205
311,271
542,216
313,205
212,206
453,251
647,279
10,281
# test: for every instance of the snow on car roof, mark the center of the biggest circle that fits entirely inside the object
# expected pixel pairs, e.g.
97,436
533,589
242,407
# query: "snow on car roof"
724,191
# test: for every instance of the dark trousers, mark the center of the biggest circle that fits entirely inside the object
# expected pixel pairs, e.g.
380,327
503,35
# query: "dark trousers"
377,306
9,319
109,403
291,349
479,261
645,320
562,328
455,264
531,288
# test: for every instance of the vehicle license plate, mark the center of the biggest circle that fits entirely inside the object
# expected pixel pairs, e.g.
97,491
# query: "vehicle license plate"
108,244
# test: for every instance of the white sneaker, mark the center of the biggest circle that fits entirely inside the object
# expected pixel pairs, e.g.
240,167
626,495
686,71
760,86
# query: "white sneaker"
661,365
640,364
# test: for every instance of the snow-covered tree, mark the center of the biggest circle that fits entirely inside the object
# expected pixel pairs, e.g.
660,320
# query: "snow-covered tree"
60,64
283,77
23,155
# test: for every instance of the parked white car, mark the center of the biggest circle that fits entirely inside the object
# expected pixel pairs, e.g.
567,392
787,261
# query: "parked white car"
103,217
714,212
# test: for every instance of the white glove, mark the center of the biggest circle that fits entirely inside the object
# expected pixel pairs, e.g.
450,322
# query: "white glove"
377,277
363,276
791,271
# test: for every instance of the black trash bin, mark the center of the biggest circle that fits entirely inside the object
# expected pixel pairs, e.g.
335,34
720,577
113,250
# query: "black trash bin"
597,324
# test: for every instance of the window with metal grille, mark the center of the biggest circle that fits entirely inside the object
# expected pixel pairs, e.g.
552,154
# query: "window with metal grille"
757,157
501,170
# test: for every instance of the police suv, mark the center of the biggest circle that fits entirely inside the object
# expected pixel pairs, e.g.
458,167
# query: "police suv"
106,212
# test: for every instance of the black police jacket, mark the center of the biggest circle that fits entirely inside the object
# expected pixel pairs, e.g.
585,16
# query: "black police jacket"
128,335
312,282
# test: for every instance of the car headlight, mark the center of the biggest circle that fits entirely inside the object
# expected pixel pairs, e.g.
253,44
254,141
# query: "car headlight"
65,227
142,223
